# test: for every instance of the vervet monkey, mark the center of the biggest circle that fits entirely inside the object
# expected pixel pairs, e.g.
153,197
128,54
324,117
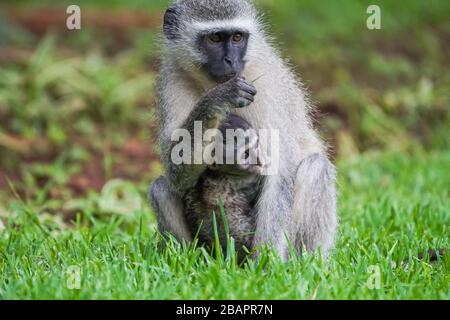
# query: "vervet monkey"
214,51
230,189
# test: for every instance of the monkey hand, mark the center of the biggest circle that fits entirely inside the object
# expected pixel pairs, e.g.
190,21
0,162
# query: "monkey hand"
252,158
238,92
252,168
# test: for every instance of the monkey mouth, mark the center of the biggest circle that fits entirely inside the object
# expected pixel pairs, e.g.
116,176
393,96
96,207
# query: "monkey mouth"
225,77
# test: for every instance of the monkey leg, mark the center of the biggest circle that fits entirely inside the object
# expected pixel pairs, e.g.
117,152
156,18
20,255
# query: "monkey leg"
314,205
169,210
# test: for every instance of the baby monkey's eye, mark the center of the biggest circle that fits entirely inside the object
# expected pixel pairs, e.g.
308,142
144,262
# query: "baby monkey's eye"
237,37
216,37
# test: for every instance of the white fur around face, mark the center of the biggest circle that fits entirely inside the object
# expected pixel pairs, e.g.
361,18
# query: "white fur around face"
247,25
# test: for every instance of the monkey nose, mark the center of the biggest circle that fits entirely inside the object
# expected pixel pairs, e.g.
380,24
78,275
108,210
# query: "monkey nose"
228,61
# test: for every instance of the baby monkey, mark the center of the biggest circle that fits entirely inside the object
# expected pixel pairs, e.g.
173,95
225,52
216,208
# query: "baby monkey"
234,183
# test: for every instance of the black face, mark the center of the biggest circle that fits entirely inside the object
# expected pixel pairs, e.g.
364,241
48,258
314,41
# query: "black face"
225,51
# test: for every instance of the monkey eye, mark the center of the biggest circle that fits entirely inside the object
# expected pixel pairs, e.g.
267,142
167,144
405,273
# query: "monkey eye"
237,37
216,37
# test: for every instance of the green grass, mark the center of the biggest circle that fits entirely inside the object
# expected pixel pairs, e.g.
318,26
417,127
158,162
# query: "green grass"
391,206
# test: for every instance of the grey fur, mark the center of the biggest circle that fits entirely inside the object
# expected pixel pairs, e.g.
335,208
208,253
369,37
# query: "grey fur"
238,193
296,205
169,209
212,109
316,195
212,10
237,186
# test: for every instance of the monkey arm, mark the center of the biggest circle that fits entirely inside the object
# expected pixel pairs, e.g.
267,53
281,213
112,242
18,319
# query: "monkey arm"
211,110
169,210
166,193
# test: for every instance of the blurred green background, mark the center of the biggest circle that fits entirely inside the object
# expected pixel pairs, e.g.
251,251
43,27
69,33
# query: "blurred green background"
77,107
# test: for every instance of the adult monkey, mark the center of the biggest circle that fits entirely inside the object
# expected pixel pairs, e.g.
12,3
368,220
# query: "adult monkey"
211,48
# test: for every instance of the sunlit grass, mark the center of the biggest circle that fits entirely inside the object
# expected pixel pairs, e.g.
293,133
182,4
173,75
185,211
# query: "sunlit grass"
392,207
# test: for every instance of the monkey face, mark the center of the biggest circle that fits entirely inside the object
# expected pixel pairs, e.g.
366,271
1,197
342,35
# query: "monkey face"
241,154
210,34
224,51
244,162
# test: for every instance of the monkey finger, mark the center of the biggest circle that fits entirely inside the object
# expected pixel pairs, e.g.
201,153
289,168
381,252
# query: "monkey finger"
236,79
250,90
246,95
248,87
242,102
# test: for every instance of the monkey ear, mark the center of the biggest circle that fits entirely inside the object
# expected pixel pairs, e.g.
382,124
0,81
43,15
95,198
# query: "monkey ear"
170,26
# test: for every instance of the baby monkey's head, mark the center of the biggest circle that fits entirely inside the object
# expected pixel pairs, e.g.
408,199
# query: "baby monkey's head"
241,154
